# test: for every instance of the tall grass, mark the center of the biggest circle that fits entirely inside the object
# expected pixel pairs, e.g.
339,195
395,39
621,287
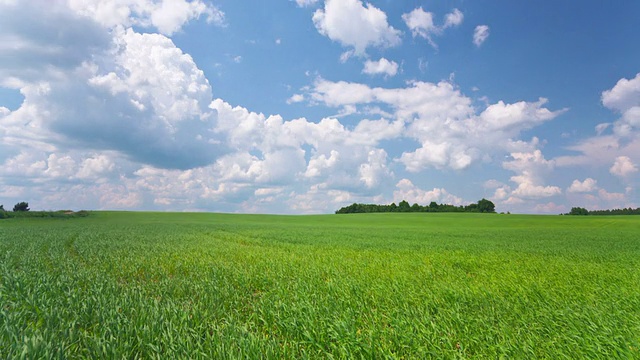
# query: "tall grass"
154,285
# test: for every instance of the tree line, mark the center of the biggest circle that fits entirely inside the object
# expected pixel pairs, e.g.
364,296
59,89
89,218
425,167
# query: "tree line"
583,211
482,206
21,210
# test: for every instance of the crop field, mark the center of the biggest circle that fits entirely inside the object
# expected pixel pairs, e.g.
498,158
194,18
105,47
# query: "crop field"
167,285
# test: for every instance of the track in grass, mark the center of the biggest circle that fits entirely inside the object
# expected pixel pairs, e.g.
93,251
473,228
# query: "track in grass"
158,285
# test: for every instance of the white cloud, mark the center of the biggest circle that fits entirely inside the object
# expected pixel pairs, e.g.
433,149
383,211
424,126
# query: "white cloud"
329,141
549,208
406,190
624,95
624,139
442,120
422,24
319,197
624,98
167,16
382,66
453,19
586,186
352,24
136,94
623,167
305,3
616,200
480,34
295,98
375,169
531,169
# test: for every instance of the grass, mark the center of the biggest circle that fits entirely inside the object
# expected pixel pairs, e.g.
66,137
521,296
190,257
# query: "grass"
158,285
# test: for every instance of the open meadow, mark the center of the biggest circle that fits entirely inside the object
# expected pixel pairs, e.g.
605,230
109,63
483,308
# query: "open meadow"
195,285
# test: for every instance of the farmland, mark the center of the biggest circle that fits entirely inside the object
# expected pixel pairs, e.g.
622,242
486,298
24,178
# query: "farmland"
167,285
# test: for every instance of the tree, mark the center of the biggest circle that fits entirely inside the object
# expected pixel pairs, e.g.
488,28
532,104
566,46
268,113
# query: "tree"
486,206
578,211
1,207
21,206
404,206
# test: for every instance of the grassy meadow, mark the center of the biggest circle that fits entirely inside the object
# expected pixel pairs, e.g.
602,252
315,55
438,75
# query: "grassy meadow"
167,285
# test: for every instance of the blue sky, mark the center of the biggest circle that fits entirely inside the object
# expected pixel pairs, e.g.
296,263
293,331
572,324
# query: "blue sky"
307,106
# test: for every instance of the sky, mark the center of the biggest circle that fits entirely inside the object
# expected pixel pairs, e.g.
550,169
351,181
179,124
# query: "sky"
305,106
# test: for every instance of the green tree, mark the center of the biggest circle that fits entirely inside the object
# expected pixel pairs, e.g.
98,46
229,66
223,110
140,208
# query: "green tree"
404,206
21,206
486,206
1,207
578,211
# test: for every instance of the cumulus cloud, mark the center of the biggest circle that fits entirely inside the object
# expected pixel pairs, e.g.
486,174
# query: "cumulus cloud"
422,24
406,190
338,157
382,66
480,35
149,101
623,167
624,95
443,120
167,16
39,43
295,98
624,98
623,141
586,186
137,94
355,25
531,169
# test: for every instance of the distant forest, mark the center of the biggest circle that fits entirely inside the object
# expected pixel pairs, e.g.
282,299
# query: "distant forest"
583,211
482,206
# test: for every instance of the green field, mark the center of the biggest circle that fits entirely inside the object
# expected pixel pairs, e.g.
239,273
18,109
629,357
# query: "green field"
159,285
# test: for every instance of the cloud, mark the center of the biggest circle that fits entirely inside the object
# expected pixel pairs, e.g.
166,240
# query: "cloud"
624,95
443,120
382,66
624,98
352,24
617,150
600,128
406,190
453,19
622,142
295,98
549,208
39,42
586,186
480,35
421,23
167,16
137,94
623,167
531,169
612,200
305,3
338,157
